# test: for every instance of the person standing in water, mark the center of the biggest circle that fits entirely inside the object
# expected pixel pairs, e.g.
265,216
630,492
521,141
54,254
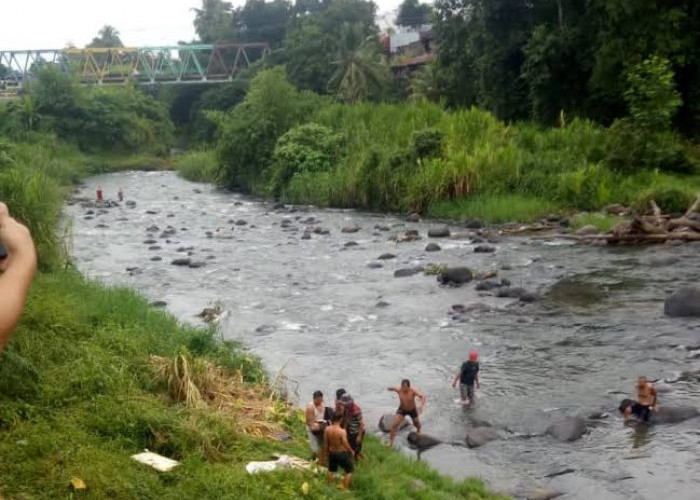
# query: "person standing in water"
99,193
407,407
468,377
335,441
646,401
120,194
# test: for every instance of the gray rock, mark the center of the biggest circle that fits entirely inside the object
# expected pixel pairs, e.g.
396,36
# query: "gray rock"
474,224
387,420
276,206
131,203
422,442
510,292
241,222
484,249
529,297
569,429
375,265
407,271
185,261
588,230
683,302
382,304
155,247
306,235
153,229
158,303
414,217
157,258
131,269
479,436
386,256
350,229
674,414
149,242
538,494
455,276
350,244
439,232
487,285
432,247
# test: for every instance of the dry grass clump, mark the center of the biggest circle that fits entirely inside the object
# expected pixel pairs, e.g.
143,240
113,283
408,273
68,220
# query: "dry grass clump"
196,382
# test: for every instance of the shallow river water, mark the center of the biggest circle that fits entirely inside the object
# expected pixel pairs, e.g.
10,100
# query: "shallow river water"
310,307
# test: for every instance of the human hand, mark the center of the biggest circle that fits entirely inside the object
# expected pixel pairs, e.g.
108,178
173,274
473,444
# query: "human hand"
16,239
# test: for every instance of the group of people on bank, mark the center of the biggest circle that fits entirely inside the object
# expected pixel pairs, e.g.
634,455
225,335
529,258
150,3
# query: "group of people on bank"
336,433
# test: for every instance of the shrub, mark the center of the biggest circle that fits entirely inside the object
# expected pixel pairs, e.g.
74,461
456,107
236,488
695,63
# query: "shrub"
197,166
305,148
669,199
427,142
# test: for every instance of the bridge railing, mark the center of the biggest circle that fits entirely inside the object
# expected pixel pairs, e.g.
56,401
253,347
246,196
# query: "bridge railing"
200,63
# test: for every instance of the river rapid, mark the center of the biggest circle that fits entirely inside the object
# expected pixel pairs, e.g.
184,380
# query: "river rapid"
311,308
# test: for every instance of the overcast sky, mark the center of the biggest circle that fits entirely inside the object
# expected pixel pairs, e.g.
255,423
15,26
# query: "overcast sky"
53,24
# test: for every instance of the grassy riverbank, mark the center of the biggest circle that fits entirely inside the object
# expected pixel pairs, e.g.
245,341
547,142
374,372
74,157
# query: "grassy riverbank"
81,391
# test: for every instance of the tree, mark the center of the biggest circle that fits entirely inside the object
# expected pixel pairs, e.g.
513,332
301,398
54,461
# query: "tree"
412,13
214,21
107,37
360,73
261,21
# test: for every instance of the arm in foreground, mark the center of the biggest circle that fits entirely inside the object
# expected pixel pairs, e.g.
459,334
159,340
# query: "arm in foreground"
18,270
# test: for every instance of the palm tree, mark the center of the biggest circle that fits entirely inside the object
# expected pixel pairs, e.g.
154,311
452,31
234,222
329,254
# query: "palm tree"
107,37
361,72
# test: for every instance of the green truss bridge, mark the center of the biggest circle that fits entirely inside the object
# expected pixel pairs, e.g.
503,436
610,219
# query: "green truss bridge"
180,64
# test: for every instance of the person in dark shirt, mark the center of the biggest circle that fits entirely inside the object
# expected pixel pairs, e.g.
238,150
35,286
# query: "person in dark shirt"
468,377
355,426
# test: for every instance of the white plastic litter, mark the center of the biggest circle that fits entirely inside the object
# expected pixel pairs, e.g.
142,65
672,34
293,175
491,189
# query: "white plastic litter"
282,462
158,462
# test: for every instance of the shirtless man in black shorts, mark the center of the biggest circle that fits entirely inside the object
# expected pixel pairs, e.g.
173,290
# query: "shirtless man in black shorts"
645,404
335,440
407,407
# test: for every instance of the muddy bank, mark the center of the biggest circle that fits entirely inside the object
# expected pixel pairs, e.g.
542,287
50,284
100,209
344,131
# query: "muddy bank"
320,302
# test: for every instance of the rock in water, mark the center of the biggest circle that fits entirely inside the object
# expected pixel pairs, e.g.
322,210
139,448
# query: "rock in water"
386,256
569,429
408,271
510,292
455,276
414,217
588,230
439,232
674,414
684,302
387,420
422,442
181,262
350,229
484,249
432,247
479,436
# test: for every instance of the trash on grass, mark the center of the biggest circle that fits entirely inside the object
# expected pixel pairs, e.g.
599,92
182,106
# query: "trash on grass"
158,462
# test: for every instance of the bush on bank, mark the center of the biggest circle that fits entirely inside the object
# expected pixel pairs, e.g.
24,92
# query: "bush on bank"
419,157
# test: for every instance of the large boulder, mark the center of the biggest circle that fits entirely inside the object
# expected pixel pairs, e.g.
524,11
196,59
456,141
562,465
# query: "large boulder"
455,276
439,232
351,229
674,414
683,302
387,420
432,247
569,429
587,230
479,436
422,442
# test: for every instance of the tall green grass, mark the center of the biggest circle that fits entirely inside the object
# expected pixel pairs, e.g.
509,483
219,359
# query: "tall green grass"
197,166
494,209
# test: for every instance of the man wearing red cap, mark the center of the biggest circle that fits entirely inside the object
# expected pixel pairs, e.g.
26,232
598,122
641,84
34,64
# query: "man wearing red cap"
467,376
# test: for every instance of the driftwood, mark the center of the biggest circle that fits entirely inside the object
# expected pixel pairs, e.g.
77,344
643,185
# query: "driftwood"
655,227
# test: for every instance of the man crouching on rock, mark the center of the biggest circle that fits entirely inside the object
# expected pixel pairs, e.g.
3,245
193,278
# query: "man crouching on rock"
335,440
645,404
17,265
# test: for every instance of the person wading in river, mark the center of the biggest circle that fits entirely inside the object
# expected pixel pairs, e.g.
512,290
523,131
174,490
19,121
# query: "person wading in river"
335,441
467,377
315,422
407,407
646,401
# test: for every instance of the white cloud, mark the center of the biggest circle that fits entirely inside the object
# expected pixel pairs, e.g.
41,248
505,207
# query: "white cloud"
51,24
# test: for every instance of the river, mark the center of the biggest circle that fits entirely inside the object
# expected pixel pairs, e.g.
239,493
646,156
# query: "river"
311,308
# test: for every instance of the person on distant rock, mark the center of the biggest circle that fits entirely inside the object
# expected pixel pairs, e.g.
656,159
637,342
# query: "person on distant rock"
407,407
468,378
120,194
99,193
645,405
354,424
315,422
17,265
335,441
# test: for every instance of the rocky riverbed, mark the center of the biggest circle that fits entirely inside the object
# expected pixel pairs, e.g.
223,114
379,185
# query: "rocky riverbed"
345,299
